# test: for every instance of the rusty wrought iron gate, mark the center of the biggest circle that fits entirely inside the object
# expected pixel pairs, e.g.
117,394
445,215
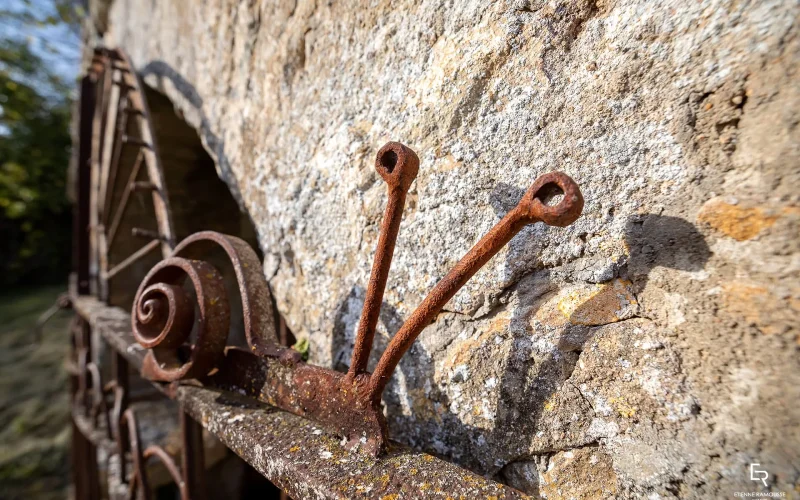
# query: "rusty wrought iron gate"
313,432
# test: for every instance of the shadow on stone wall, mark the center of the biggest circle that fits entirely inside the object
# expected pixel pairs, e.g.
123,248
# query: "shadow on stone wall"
216,146
531,378
662,241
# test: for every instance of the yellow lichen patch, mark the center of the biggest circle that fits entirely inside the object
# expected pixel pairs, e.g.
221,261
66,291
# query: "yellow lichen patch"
500,322
584,473
361,127
589,305
739,222
623,408
467,348
757,305
294,449
424,406
607,303
448,163
392,496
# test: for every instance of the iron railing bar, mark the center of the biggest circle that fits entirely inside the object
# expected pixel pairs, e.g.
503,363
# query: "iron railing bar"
116,155
164,457
98,126
192,457
109,144
123,204
151,158
138,254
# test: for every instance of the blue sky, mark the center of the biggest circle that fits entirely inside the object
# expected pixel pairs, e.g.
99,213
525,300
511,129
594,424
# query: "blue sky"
57,45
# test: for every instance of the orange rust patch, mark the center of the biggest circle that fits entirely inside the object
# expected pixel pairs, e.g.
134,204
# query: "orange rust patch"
737,222
467,348
424,406
581,473
757,305
589,305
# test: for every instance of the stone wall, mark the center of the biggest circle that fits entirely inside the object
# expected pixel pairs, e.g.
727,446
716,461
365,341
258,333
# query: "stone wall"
649,349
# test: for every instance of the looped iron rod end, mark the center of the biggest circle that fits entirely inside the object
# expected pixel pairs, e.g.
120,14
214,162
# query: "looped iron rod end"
545,188
531,209
397,164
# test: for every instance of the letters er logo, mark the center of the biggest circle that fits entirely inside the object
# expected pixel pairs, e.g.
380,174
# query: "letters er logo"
758,474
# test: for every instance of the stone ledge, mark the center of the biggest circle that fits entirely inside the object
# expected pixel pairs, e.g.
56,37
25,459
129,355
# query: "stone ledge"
291,451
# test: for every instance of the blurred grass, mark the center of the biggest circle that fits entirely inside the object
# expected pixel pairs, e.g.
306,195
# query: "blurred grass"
34,413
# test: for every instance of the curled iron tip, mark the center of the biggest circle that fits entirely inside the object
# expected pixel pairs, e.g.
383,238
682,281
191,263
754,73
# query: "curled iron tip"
397,164
562,214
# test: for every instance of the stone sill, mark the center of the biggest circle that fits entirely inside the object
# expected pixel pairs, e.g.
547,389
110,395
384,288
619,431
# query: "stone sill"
292,452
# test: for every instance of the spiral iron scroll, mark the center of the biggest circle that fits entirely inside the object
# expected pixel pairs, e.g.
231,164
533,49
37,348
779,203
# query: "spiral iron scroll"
165,315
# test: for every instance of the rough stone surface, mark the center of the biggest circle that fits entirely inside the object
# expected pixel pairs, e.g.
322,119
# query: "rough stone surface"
658,334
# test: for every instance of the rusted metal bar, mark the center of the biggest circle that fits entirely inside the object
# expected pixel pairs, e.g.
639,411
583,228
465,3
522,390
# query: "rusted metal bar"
110,144
192,459
135,141
398,166
153,245
529,210
117,412
119,370
85,465
77,441
151,157
97,407
123,204
61,303
291,451
147,233
80,230
139,476
97,136
119,130
159,453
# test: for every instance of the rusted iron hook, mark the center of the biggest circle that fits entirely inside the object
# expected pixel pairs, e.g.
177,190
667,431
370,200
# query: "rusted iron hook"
531,209
398,165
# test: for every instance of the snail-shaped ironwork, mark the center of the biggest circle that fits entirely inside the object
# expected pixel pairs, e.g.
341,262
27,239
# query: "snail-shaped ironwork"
348,404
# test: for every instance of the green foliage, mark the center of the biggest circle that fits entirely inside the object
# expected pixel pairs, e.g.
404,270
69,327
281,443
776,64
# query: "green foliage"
303,346
34,154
